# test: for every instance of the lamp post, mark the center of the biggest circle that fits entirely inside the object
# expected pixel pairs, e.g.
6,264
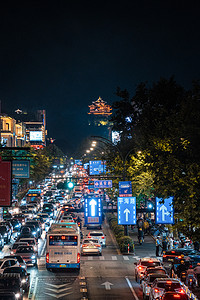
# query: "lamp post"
123,158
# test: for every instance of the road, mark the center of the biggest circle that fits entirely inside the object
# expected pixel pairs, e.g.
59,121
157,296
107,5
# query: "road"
110,276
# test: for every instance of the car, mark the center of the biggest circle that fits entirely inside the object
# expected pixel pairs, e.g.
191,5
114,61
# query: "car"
175,296
67,219
91,246
20,217
11,283
7,295
14,247
153,270
162,285
19,259
33,230
148,281
8,223
8,262
25,277
98,235
176,255
30,242
16,224
6,233
37,226
142,264
28,255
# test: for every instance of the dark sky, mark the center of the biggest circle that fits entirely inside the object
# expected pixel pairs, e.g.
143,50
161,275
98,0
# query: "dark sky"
62,55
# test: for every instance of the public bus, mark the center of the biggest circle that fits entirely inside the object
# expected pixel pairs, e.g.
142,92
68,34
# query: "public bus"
63,246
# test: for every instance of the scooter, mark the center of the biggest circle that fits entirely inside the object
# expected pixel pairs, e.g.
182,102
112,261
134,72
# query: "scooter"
191,281
183,276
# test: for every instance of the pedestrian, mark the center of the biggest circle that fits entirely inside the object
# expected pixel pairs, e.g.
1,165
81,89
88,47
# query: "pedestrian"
157,245
171,243
164,245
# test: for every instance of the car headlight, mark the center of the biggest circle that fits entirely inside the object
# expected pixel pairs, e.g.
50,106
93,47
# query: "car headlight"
34,233
23,280
33,257
23,266
17,295
38,229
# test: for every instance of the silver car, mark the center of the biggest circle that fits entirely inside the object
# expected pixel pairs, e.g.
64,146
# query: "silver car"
91,246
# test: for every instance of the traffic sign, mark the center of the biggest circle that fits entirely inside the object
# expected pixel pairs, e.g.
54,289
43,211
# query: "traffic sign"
97,167
126,210
164,211
102,184
125,189
20,168
93,210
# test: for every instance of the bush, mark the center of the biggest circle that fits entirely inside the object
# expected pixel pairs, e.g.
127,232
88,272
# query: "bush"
118,231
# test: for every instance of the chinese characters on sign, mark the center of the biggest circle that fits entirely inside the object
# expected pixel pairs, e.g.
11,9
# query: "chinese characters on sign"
97,167
103,184
125,189
5,183
126,210
21,168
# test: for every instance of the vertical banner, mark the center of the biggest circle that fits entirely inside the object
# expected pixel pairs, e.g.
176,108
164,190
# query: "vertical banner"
5,183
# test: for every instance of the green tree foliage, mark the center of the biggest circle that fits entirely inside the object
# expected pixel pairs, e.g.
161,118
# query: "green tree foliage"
165,128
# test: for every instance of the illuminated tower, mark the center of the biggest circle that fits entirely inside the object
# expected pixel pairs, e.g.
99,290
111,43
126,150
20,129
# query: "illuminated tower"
99,117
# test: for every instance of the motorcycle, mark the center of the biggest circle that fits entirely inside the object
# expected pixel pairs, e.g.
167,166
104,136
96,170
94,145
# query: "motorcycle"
191,281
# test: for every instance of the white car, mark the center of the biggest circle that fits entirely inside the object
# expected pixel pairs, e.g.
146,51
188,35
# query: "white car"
161,285
8,262
98,235
30,242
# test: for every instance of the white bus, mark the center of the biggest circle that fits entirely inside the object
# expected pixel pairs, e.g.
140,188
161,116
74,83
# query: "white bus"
63,247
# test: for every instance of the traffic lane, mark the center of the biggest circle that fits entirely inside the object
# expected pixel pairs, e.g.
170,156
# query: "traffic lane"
60,284
111,244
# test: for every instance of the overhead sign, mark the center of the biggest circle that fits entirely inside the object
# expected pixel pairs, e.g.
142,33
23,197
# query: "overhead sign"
5,183
78,162
102,184
125,189
20,168
97,167
164,211
126,210
93,210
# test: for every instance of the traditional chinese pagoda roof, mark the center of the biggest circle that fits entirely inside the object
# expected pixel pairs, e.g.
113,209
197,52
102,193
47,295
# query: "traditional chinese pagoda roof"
100,107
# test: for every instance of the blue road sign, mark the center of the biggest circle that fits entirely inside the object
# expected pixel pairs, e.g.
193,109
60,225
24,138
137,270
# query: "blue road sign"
126,210
78,162
164,211
102,184
20,168
97,167
125,189
93,210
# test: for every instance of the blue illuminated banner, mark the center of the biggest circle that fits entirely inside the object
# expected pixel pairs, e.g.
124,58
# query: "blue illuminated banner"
93,210
85,166
126,210
97,167
125,189
102,184
78,162
164,211
20,168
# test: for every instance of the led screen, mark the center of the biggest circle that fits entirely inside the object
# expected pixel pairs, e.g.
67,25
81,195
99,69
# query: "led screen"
36,136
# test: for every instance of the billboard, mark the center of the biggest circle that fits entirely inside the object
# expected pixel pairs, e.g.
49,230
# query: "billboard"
164,211
35,136
126,210
125,189
97,167
20,168
5,183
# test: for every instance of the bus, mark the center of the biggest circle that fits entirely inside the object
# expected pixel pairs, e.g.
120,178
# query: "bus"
63,247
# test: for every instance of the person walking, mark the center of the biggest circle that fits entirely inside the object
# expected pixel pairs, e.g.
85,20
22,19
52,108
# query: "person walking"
157,245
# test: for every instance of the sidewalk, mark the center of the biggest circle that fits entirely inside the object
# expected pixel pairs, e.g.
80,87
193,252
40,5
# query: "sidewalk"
147,249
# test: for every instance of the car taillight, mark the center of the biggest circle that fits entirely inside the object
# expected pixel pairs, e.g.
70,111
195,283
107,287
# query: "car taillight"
182,291
156,290
102,237
164,255
47,258
78,258
179,257
97,245
176,296
140,268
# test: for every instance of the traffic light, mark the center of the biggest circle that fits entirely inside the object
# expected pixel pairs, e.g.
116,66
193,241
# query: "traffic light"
70,185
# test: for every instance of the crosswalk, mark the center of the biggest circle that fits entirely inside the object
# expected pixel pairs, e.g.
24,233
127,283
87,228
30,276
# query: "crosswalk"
107,257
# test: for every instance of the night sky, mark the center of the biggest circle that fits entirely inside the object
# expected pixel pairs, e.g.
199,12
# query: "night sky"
62,55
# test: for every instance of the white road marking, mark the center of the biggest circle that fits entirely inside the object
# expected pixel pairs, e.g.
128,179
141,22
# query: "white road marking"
114,257
90,257
35,288
131,288
125,257
101,257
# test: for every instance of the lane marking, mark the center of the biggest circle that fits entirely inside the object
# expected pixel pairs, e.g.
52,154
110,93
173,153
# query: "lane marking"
43,248
90,257
131,288
101,257
125,257
114,257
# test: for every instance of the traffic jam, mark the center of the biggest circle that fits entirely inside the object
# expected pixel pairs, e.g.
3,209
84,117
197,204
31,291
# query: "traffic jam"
51,227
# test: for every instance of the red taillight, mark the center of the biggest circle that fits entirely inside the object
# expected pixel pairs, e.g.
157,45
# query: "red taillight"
78,258
182,291
156,290
140,268
172,251
179,257
102,237
168,282
164,255
47,258
176,296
